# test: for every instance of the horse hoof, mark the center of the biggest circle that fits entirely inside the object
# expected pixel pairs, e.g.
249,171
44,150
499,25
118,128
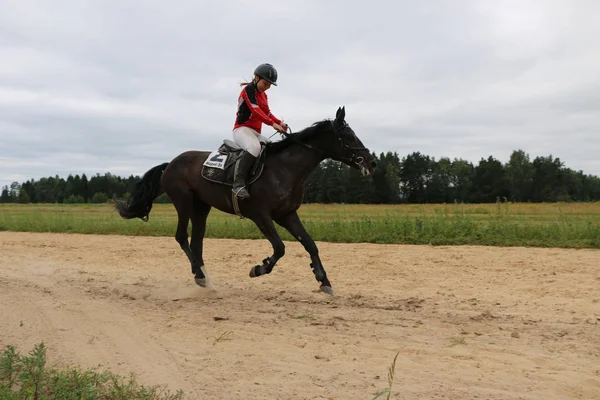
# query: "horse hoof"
327,289
200,282
257,270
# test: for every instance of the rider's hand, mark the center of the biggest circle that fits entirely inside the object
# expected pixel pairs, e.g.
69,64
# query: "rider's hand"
278,128
284,126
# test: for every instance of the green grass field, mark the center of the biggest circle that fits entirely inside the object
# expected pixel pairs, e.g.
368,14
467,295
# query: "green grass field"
574,225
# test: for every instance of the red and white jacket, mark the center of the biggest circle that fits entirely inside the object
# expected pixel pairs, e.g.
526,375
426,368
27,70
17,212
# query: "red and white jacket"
253,109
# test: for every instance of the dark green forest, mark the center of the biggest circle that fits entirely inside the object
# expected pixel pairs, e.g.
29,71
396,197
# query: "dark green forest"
415,178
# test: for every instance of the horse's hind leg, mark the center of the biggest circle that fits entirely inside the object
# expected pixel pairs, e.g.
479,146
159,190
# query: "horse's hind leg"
184,204
292,224
199,215
265,224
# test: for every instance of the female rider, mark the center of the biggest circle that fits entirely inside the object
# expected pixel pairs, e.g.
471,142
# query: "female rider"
253,110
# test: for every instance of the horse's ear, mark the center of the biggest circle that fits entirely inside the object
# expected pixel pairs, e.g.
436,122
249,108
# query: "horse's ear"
341,114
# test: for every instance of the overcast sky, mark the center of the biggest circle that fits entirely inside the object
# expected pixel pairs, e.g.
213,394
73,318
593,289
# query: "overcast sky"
120,86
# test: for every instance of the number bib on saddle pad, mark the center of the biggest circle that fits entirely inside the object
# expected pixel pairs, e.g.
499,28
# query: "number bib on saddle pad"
219,166
216,160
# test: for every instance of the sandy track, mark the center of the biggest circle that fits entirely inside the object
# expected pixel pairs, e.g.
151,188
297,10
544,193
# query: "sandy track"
469,322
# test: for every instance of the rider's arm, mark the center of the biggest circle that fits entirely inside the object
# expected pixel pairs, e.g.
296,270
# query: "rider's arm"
274,118
270,114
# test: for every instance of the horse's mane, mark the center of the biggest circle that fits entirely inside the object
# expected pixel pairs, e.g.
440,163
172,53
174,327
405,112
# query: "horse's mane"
300,136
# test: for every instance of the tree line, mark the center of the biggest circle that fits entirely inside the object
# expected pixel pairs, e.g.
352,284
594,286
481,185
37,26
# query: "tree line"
415,178
419,178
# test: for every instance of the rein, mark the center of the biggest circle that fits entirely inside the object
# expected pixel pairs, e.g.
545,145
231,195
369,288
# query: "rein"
345,147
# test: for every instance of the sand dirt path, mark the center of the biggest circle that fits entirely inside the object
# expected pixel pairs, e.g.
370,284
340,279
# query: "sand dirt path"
468,322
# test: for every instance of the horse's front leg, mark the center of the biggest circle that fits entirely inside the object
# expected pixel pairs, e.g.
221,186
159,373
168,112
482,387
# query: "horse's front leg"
292,223
266,226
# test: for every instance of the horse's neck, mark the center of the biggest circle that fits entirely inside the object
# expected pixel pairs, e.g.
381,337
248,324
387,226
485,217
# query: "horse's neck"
301,159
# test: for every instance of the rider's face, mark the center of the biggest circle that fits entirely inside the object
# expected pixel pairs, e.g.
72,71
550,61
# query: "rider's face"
263,85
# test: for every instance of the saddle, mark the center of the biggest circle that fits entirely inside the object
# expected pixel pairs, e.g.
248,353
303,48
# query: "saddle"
220,164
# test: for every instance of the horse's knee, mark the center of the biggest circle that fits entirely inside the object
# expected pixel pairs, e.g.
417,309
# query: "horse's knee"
182,238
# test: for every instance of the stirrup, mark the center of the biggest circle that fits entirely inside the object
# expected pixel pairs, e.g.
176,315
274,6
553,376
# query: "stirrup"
237,191
235,199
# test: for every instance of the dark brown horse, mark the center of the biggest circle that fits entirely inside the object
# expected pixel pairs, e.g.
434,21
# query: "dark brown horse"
276,188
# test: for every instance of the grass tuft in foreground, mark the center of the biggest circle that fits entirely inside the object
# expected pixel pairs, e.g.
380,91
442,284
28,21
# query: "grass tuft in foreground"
28,377
391,374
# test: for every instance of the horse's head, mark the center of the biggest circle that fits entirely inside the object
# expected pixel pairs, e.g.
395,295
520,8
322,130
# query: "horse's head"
348,148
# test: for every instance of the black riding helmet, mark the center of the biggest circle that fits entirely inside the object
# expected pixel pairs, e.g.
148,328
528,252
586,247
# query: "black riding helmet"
267,72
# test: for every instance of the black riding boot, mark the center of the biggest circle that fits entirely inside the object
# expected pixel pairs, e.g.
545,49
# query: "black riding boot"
242,169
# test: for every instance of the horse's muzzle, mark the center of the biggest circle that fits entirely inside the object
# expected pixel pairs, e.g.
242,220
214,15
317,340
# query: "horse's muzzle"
365,168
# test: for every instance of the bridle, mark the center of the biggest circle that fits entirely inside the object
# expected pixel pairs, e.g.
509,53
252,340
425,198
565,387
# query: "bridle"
337,138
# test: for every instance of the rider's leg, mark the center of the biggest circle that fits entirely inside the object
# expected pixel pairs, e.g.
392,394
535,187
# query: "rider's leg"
248,140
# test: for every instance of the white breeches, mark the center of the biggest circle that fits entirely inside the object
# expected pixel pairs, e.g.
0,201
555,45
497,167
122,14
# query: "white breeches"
249,140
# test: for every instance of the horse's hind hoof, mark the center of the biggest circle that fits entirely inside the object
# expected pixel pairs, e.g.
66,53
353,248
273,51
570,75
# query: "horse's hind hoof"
327,289
200,282
257,270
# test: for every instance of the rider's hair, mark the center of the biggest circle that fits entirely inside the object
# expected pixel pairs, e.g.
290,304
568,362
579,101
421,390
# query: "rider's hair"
242,84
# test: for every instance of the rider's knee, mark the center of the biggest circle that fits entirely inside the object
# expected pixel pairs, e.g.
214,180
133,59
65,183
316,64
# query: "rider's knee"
254,149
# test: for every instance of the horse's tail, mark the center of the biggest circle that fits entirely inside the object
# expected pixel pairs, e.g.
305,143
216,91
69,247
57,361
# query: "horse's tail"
146,190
